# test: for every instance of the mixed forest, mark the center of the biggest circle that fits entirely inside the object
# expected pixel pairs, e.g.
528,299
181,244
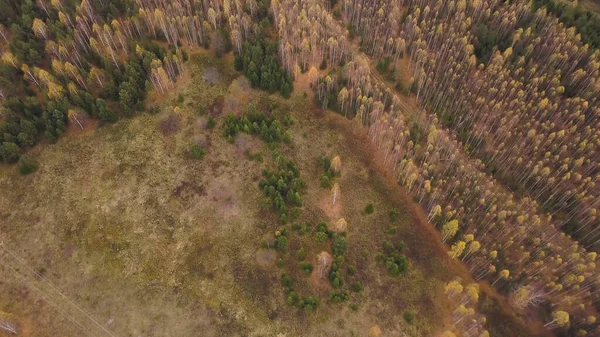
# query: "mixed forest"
486,112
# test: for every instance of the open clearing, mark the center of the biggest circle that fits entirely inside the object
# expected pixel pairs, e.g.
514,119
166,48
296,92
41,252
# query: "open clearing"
153,243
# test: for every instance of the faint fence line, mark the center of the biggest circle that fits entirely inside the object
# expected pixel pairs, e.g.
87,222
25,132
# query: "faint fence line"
77,315
4,325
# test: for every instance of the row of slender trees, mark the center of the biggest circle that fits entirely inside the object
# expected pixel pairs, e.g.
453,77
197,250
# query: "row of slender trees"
64,61
510,239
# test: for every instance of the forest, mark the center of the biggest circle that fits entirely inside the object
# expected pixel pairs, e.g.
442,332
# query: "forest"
484,114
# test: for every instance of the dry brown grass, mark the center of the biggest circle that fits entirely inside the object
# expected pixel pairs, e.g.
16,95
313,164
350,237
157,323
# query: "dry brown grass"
158,244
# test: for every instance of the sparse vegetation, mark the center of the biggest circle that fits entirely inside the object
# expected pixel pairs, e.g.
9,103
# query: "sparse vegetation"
483,113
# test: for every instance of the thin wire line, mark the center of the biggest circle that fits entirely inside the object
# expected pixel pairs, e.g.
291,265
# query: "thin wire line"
69,301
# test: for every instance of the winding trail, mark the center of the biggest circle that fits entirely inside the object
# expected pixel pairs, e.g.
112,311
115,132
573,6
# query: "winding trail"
408,106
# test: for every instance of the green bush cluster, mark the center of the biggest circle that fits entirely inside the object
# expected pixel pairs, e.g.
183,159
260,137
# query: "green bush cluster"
258,61
338,296
306,267
309,303
301,254
339,243
393,215
267,127
281,240
328,175
197,152
335,273
395,262
27,165
322,233
211,122
282,189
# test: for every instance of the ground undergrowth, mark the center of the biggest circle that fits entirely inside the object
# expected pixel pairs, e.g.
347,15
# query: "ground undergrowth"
157,226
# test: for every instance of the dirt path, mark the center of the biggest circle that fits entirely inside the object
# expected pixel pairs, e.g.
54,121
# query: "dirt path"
372,159
409,107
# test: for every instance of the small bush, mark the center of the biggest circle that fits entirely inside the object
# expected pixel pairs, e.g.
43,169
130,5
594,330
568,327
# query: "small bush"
395,262
393,214
287,280
320,236
309,303
306,267
340,244
325,182
27,165
301,254
356,287
409,317
338,297
197,152
211,123
369,209
351,270
281,243
396,265
295,212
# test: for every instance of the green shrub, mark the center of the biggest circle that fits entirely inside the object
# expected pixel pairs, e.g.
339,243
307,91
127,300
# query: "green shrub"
292,298
369,209
211,122
339,244
388,247
308,304
320,236
356,287
338,297
197,152
351,270
295,212
27,165
281,243
409,317
306,267
287,280
301,254
393,214
396,265
9,152
325,183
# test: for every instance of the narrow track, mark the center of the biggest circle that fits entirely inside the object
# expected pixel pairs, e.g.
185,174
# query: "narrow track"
21,270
